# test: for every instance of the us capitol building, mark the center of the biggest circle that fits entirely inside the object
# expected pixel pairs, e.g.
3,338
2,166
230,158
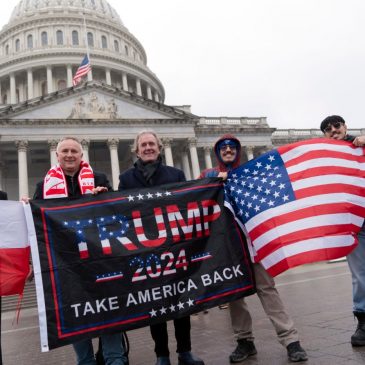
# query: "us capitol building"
41,48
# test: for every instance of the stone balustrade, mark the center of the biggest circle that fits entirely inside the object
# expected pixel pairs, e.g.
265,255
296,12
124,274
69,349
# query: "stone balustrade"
233,121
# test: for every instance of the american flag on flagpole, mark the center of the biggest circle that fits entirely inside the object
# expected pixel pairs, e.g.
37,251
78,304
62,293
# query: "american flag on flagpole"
83,69
300,203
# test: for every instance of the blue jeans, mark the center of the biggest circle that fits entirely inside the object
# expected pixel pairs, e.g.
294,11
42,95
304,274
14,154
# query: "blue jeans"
113,351
356,261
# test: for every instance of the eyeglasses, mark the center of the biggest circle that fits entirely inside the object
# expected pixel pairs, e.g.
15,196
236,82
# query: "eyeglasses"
336,125
226,146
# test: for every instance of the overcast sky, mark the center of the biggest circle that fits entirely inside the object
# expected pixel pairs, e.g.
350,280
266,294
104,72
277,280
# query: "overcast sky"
293,61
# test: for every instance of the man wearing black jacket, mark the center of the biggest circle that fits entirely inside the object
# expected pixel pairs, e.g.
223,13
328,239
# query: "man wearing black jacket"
334,127
148,170
72,177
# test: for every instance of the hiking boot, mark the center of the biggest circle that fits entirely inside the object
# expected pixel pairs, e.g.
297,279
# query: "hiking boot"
358,338
187,358
243,350
296,352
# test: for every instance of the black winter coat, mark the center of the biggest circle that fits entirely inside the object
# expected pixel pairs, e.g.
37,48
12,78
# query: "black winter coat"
133,178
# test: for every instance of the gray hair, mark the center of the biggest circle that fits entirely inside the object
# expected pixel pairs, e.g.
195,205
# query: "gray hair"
143,132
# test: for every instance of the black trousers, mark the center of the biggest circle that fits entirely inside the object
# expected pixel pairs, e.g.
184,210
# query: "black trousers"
182,335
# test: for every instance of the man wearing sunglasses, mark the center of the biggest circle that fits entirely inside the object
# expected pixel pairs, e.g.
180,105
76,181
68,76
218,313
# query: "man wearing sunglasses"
334,127
228,153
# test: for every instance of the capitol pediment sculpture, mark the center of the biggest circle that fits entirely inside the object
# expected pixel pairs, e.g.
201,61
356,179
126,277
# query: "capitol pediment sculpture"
90,107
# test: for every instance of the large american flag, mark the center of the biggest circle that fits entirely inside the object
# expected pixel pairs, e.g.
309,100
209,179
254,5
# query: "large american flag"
83,69
300,203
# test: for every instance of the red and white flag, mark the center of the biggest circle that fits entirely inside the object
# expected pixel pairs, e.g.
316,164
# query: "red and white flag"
14,248
300,203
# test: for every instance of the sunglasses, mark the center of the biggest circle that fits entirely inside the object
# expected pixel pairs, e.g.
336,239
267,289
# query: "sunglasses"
230,146
336,125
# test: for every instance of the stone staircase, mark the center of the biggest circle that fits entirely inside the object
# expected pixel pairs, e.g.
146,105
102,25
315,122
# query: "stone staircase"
29,299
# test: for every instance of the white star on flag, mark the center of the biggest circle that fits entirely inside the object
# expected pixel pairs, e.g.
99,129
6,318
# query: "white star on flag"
153,313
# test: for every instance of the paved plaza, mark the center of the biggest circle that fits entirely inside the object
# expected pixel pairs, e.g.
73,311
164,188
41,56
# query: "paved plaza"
317,296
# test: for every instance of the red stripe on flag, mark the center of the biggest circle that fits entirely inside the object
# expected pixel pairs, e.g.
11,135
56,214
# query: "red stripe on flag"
313,155
325,170
304,234
307,212
330,189
309,257
14,268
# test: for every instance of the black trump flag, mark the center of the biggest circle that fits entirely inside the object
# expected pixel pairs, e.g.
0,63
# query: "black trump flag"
124,260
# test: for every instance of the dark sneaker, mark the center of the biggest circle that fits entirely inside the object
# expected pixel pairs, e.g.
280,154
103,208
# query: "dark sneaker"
187,358
358,338
296,352
243,350
163,360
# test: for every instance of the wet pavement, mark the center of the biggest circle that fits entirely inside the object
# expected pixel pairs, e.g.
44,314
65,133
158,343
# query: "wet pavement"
317,296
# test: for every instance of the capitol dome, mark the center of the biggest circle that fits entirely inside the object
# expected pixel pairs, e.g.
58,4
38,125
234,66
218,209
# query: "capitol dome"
99,8
45,41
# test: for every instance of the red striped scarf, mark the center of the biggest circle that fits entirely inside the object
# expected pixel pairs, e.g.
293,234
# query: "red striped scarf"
55,185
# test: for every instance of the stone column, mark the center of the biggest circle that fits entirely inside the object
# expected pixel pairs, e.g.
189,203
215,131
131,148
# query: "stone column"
90,75
133,154
149,92
168,152
125,81
52,144
249,152
49,80
108,78
21,92
12,89
186,165
138,87
22,147
30,83
113,148
2,166
207,158
156,96
194,157
69,75
85,149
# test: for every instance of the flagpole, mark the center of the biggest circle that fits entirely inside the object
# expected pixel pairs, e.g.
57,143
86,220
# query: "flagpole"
86,42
